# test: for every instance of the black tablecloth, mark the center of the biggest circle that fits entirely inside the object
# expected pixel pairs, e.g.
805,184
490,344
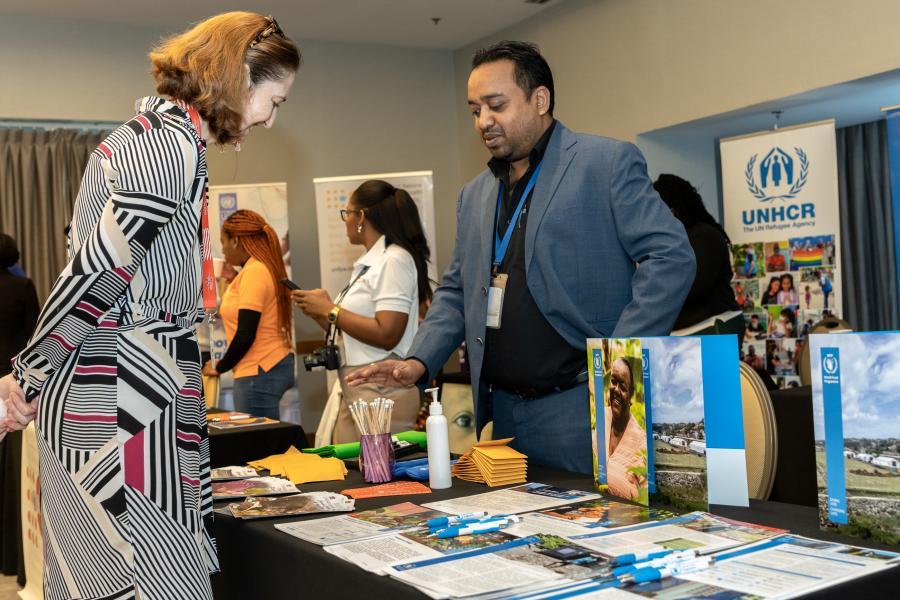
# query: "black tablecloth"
258,561
237,446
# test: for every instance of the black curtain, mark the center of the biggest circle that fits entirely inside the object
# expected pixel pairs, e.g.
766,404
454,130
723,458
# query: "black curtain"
868,273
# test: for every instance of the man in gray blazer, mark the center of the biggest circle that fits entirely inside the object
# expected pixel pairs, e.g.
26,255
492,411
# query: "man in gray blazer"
560,239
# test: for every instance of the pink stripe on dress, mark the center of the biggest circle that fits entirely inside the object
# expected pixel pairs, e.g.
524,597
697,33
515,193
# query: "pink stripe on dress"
95,370
90,418
134,461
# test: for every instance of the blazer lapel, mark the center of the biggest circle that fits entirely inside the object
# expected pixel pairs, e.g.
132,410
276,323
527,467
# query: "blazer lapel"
559,154
488,214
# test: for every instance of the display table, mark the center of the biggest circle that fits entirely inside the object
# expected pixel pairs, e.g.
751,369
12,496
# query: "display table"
258,561
238,446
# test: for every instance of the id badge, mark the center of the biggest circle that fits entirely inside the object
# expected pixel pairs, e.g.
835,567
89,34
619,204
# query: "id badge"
495,300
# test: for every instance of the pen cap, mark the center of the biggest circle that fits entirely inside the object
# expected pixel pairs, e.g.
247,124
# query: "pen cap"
435,408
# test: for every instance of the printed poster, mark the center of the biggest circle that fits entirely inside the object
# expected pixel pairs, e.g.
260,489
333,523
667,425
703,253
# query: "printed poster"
336,254
856,409
781,213
618,418
694,398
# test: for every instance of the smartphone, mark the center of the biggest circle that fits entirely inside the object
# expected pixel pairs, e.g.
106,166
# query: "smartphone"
290,284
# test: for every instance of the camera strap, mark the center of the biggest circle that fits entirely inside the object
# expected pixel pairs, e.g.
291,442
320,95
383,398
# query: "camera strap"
332,328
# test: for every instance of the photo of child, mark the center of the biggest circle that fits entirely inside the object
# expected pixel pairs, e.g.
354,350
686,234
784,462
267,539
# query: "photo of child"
777,256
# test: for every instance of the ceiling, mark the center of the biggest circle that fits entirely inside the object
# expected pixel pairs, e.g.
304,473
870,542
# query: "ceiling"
392,22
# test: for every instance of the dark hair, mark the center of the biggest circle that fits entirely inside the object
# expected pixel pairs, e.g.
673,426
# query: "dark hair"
790,278
205,66
532,70
685,202
9,252
392,212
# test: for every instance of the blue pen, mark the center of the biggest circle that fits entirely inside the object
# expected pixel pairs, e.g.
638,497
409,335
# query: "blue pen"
439,522
473,528
652,574
656,562
630,559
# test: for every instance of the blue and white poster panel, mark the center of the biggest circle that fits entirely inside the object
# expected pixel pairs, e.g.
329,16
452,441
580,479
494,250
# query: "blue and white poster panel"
780,209
893,133
336,254
693,394
270,201
856,411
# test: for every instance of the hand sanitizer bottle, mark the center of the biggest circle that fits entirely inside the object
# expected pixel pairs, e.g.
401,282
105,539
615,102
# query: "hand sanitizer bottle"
438,445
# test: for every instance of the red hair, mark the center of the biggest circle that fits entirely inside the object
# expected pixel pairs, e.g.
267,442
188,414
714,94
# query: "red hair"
260,241
206,66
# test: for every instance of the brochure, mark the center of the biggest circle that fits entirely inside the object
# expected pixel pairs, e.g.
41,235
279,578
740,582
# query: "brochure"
693,392
586,517
618,418
241,423
522,498
528,561
229,473
375,554
856,409
361,525
255,486
698,531
295,504
791,566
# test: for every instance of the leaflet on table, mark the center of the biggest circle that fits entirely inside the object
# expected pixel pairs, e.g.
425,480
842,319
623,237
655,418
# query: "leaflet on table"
856,409
702,532
693,392
520,499
240,423
375,554
254,486
585,517
296,504
790,566
361,525
528,561
230,473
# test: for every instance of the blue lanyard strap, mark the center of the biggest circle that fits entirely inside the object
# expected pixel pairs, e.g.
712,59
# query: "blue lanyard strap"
501,246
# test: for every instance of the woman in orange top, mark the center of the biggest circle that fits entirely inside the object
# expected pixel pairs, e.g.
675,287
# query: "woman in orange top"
256,312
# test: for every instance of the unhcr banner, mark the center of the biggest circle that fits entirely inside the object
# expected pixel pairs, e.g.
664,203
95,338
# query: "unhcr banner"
780,209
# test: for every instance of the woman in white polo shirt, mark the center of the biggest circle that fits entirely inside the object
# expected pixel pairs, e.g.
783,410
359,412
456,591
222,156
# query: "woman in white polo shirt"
378,312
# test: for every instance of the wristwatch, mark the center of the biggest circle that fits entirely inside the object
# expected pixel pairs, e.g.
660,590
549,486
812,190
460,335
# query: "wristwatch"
333,314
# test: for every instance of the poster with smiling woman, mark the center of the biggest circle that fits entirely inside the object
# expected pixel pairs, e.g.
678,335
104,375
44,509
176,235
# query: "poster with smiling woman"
618,418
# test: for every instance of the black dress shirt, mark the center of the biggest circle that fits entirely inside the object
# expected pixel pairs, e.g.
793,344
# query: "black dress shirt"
526,354
18,316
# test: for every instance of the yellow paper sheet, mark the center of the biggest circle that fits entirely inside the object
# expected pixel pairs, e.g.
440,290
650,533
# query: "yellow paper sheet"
302,468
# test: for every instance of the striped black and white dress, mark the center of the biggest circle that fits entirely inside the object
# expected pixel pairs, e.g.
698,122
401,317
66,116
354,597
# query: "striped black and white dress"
124,454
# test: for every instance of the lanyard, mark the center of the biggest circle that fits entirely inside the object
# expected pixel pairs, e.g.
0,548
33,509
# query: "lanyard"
501,245
208,279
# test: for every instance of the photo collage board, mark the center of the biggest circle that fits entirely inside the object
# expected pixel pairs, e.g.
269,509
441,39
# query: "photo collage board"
784,287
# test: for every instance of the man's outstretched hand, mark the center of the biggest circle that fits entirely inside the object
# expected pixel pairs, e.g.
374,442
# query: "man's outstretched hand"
389,373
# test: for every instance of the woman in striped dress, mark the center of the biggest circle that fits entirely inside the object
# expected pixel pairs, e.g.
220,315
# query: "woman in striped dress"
113,368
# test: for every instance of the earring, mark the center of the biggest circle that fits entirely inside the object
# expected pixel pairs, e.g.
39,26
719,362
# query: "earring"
359,228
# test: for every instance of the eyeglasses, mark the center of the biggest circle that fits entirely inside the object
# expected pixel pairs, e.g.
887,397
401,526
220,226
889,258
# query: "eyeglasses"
347,211
271,27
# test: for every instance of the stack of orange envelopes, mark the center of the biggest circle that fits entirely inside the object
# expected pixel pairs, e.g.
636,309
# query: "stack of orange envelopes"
493,463
302,468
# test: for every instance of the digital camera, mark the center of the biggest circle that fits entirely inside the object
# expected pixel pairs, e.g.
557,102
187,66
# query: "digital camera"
327,357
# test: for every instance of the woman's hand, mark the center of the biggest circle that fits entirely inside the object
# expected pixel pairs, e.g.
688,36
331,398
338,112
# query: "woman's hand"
209,370
19,413
314,303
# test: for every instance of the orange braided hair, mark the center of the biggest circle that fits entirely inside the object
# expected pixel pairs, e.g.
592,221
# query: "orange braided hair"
261,242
